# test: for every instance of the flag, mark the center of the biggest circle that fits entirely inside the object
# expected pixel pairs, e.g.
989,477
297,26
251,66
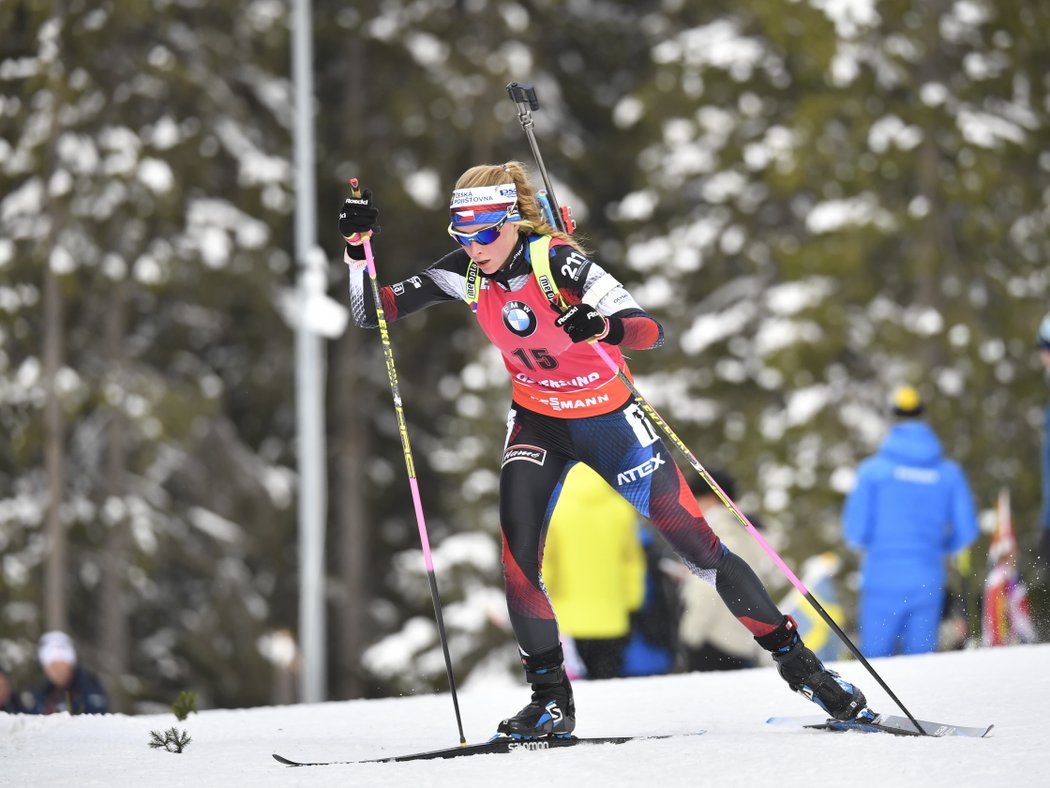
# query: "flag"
1005,614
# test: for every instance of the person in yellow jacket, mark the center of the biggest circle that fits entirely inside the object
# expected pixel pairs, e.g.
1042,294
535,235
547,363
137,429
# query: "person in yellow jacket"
594,569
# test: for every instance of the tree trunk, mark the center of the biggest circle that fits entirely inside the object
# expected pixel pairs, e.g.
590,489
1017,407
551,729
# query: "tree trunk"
113,612
935,246
56,611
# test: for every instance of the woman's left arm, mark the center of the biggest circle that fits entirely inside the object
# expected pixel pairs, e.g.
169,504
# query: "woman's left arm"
582,280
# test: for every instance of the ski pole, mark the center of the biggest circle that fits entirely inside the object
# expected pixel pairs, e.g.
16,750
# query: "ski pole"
525,97
402,428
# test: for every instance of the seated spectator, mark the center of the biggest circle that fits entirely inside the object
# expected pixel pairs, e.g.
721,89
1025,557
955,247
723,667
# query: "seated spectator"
9,702
69,686
710,636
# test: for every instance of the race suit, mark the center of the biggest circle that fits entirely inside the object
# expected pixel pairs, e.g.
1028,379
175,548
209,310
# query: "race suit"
568,407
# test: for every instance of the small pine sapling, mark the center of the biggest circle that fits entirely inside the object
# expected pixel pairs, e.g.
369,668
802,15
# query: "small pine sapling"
174,740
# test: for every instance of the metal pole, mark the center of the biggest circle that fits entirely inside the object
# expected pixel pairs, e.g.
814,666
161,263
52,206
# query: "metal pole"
525,97
309,379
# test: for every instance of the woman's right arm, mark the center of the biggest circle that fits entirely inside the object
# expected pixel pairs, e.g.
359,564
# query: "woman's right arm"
445,280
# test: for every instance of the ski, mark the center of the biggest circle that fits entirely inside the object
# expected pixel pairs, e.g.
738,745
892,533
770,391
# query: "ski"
882,723
497,745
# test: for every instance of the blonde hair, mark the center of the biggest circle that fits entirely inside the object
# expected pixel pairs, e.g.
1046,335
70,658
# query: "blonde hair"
533,219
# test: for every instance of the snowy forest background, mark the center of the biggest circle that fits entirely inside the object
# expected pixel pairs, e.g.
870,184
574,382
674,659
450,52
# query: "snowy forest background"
819,199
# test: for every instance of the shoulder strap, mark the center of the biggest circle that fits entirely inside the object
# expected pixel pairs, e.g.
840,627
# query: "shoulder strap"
470,287
540,257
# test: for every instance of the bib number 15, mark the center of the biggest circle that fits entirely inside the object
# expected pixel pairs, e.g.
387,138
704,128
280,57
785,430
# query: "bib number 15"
535,357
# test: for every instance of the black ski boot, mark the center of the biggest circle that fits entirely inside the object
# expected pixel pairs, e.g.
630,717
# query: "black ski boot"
807,676
552,711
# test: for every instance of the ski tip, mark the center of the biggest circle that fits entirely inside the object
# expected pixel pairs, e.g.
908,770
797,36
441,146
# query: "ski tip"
939,730
886,723
282,759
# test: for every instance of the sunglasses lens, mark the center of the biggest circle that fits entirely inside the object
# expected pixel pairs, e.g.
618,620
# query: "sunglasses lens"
483,237
488,235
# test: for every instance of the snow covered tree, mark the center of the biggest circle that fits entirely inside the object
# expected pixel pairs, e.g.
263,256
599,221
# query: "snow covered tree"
144,168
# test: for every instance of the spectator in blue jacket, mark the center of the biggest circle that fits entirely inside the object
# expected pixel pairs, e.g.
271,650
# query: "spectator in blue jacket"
910,509
1043,340
69,686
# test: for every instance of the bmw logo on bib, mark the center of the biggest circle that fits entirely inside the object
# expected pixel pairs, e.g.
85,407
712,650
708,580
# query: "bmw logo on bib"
519,318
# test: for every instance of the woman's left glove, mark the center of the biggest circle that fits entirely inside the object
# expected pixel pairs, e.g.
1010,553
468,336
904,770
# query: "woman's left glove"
582,322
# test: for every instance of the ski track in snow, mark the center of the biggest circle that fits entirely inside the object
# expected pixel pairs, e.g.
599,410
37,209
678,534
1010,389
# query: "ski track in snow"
1009,687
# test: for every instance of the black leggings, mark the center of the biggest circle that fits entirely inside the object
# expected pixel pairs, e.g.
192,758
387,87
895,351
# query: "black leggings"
624,448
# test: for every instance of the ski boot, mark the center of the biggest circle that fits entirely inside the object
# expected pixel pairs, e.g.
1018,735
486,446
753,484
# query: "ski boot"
552,711
806,674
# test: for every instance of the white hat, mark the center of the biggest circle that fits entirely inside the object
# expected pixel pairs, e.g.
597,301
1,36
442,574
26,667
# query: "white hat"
56,646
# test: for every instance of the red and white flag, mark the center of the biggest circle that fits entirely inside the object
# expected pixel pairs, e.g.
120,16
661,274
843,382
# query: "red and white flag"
1005,613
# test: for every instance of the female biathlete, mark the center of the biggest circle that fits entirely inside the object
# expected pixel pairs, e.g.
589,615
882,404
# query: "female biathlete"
542,301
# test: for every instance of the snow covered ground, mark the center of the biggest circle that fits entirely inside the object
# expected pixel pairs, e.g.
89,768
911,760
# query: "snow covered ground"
1006,686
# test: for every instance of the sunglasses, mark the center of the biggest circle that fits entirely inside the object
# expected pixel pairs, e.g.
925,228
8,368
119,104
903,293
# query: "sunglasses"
484,236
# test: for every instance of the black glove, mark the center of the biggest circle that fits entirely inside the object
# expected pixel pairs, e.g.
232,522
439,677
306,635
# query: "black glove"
359,215
582,322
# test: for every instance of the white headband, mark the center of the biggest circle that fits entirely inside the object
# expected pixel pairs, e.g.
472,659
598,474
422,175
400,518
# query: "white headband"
490,198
